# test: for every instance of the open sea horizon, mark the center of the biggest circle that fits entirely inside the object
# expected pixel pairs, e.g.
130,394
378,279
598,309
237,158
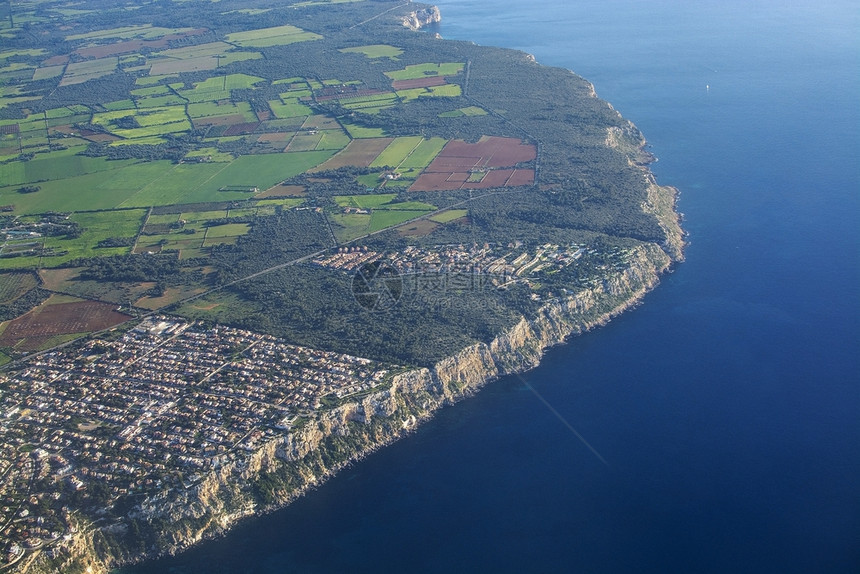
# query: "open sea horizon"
723,412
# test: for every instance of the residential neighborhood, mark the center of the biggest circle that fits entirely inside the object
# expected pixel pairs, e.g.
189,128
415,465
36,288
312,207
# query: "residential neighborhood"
148,411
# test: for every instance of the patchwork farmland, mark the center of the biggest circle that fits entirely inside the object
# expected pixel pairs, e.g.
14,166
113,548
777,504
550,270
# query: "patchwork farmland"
489,163
199,146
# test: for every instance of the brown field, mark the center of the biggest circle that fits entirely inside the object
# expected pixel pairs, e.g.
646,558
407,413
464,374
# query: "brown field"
166,67
455,164
57,279
359,153
230,120
88,135
132,46
49,320
521,177
241,129
171,295
55,61
282,191
418,228
419,83
321,123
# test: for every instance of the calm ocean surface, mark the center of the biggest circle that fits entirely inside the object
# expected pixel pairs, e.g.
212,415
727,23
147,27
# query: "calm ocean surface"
727,406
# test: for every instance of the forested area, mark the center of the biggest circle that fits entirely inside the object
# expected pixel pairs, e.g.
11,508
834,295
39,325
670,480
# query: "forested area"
585,191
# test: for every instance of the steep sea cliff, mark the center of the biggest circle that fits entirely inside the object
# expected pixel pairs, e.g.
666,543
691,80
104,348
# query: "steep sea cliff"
299,460
286,467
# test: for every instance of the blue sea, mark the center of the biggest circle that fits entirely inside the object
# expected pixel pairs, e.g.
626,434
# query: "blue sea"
726,407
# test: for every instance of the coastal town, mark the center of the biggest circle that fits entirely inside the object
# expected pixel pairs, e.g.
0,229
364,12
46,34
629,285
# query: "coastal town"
510,260
114,420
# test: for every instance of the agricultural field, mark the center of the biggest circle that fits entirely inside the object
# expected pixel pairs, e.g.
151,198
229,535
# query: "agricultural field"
14,285
359,153
143,184
375,51
377,212
80,72
469,111
485,164
449,215
58,319
191,141
426,70
371,104
96,228
276,36
440,91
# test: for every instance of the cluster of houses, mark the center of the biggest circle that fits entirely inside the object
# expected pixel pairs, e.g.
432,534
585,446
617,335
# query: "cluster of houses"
150,411
501,261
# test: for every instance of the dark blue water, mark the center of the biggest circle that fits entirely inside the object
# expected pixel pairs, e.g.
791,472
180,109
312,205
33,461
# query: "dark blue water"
727,406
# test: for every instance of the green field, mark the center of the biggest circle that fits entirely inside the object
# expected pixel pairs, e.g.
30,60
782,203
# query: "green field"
227,230
375,51
219,87
333,140
443,91
143,32
424,153
48,72
148,140
289,108
119,105
424,70
159,101
158,90
371,104
105,184
384,212
359,131
277,36
50,166
97,226
397,151
211,109
449,215
348,226
364,201
410,153
384,219
467,111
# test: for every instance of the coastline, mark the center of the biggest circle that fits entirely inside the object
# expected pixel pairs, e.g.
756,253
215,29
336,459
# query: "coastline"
301,460
298,460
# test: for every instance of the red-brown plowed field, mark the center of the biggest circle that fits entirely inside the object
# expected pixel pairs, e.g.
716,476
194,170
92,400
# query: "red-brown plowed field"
358,153
419,83
241,129
129,46
450,169
522,177
62,319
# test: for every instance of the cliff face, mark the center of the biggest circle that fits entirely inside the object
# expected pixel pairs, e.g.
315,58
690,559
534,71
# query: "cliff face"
288,465
422,17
